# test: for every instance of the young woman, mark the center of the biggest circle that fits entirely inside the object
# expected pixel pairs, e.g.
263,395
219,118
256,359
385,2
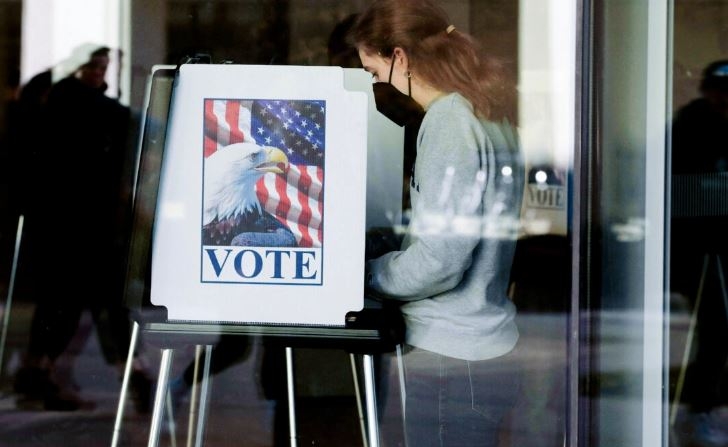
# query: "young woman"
452,270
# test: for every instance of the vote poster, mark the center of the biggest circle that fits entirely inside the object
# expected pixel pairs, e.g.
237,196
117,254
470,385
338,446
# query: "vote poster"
263,191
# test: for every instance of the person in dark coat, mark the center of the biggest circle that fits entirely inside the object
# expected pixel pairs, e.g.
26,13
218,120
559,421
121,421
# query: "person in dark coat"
76,227
699,248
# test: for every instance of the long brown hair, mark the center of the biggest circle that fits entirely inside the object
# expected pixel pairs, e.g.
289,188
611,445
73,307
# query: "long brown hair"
443,57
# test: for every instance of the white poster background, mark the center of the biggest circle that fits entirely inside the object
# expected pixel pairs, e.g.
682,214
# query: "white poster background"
176,255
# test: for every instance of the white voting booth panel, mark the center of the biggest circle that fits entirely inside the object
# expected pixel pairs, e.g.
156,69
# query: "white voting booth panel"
261,210
385,143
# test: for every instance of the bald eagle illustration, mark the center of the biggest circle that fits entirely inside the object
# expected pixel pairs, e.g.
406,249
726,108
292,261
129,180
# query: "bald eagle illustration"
232,213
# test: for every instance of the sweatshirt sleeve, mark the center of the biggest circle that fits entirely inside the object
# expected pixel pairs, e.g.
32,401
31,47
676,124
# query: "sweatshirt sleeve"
444,229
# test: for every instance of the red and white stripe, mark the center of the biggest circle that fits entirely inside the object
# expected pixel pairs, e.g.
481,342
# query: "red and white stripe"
297,201
226,122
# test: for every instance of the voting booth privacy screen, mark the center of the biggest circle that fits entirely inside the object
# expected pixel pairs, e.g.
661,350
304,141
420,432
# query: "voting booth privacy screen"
261,208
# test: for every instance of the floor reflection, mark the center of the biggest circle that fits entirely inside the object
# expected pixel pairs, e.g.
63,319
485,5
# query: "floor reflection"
240,415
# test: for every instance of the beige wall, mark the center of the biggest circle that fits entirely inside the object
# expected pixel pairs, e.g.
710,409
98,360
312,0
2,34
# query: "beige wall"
148,44
700,37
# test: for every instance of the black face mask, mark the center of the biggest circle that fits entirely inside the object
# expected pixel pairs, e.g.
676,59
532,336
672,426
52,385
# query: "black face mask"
395,105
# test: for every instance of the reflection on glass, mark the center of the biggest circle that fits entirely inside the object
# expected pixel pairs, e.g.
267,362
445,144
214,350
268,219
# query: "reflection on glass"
699,215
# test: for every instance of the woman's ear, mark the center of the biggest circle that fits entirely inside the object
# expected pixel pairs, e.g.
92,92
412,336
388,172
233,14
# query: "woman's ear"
400,58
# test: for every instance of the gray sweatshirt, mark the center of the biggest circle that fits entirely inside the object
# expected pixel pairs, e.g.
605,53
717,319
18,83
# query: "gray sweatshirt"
454,264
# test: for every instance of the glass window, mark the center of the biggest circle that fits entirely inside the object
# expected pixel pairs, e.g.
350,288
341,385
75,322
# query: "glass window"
73,109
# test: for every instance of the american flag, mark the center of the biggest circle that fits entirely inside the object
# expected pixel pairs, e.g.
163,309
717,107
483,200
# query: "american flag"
297,127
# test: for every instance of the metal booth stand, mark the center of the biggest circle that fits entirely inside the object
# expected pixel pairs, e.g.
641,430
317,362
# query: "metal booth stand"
367,333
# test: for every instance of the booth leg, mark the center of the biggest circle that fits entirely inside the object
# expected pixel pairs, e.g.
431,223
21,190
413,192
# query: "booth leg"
372,420
689,342
11,287
291,386
723,285
204,401
159,398
402,391
357,394
193,396
171,420
125,384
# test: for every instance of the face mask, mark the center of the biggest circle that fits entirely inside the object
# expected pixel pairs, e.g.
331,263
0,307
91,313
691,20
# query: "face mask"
395,105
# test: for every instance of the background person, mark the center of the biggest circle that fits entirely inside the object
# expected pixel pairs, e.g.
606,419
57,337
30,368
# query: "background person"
76,230
698,246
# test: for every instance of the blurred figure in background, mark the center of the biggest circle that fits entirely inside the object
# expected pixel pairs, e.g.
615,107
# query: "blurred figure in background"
699,246
76,227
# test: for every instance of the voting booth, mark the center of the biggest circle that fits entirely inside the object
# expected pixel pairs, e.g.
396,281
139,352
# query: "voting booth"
251,205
